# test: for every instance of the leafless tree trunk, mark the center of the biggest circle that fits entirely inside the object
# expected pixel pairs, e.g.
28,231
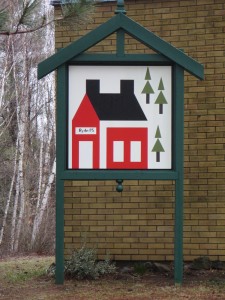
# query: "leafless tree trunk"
27,120
9,196
14,215
40,213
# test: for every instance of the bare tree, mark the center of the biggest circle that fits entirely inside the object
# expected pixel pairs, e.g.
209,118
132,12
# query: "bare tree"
27,119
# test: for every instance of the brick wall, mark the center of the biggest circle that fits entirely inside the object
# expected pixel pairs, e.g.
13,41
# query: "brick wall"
138,224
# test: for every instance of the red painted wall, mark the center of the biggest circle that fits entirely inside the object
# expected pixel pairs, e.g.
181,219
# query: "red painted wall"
127,135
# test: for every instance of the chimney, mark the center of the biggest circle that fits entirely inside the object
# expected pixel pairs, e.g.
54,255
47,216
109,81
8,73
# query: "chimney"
92,87
127,87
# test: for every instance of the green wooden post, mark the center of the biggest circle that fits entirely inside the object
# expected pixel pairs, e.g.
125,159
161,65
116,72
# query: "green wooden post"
59,251
120,43
62,83
179,162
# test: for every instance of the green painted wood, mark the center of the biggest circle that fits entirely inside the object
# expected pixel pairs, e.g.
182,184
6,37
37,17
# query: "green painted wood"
59,250
133,59
62,82
115,174
120,42
178,151
120,7
137,31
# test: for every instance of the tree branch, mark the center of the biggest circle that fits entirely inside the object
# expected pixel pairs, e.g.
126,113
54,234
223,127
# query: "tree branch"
17,31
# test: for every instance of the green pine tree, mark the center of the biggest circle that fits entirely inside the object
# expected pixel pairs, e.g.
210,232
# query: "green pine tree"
158,133
161,86
161,98
147,75
147,88
158,146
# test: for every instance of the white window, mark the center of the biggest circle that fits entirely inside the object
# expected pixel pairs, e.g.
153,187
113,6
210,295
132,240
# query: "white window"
135,151
118,151
85,155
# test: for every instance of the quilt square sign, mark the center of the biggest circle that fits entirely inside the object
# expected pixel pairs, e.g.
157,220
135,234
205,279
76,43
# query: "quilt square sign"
120,117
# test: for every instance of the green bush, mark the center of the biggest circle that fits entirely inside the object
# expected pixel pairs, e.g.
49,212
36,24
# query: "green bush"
83,264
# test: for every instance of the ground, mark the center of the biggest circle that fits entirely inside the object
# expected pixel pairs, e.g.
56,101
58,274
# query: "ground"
25,278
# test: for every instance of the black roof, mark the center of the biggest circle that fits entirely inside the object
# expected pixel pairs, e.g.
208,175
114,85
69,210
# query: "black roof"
113,107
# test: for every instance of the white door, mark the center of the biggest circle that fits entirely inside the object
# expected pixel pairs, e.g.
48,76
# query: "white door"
85,155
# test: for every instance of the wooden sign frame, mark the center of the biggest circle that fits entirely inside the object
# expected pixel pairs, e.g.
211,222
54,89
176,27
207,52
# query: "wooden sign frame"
75,54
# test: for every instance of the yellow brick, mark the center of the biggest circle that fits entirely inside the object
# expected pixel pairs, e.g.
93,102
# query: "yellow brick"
121,234
68,240
121,222
122,257
215,252
68,228
139,246
141,257
150,203
69,205
68,217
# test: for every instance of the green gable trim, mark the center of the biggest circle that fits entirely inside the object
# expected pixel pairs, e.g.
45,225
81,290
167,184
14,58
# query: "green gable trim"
153,59
117,23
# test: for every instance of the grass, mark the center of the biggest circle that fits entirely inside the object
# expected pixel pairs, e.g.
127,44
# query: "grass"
21,269
25,278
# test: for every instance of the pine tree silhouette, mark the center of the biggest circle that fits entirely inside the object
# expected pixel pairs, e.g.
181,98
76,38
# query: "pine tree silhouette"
147,88
161,98
158,146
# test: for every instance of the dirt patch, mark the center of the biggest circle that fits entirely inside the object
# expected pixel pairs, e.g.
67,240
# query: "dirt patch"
25,278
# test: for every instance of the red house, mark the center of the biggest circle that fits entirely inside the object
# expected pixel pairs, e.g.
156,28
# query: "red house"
126,146
85,137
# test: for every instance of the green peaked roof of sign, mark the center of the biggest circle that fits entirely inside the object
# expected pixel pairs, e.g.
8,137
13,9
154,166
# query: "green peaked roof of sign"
117,23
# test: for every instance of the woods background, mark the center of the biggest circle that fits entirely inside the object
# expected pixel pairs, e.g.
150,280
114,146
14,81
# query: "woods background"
27,122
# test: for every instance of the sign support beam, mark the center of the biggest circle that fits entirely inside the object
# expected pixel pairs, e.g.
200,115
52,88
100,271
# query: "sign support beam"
179,166
60,166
